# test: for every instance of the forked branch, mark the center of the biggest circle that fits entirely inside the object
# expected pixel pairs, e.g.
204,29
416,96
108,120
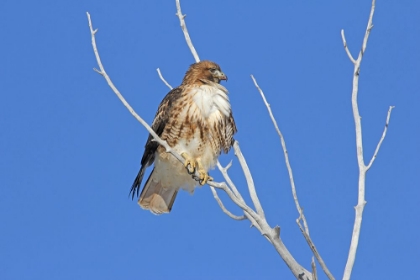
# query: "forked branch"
363,168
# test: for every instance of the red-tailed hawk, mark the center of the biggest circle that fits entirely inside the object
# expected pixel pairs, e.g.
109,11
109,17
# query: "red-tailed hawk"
195,119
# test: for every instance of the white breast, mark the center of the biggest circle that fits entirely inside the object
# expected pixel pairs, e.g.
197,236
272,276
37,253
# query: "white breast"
211,100
210,104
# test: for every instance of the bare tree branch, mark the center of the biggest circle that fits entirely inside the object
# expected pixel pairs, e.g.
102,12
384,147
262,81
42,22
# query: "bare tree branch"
286,156
122,99
313,265
315,251
382,138
235,191
249,180
185,30
163,79
272,235
229,181
227,212
359,148
343,37
305,230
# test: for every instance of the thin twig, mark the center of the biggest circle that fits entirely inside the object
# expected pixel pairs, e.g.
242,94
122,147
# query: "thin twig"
227,212
185,30
119,95
343,37
235,191
248,210
249,180
305,230
286,156
313,265
382,138
229,181
163,79
368,29
315,251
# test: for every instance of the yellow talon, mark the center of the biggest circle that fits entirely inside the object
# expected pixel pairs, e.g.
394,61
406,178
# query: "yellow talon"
189,163
204,177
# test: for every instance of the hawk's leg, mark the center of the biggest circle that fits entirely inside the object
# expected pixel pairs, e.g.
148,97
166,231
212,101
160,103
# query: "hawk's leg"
189,163
203,175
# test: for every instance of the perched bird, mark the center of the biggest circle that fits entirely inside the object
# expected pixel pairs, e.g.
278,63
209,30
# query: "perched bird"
195,119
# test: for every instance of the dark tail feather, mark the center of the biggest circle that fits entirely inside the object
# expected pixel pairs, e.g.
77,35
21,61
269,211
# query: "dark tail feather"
135,188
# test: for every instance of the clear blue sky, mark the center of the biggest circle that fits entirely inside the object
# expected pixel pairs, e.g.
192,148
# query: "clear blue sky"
69,150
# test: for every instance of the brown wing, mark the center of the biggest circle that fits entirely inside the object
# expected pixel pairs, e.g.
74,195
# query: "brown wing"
158,125
229,130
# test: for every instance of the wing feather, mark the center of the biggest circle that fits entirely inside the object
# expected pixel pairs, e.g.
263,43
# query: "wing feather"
159,123
229,130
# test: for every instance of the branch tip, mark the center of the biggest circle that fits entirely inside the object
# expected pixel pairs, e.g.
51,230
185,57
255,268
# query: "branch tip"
228,166
343,38
375,154
163,79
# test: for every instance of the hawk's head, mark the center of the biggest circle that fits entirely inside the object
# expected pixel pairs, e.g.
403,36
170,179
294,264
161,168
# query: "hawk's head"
204,70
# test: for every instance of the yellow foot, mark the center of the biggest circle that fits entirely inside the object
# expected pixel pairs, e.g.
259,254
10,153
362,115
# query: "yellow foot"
203,177
189,163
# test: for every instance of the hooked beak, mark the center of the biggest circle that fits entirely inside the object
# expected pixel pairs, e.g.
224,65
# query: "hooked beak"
221,76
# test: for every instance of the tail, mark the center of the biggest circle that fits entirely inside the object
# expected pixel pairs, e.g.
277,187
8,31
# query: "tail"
135,188
155,198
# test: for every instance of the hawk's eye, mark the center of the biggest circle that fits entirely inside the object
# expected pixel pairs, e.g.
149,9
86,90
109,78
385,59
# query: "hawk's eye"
212,70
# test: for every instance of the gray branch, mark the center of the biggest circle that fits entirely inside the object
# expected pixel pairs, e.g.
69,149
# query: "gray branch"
363,168
185,30
305,229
